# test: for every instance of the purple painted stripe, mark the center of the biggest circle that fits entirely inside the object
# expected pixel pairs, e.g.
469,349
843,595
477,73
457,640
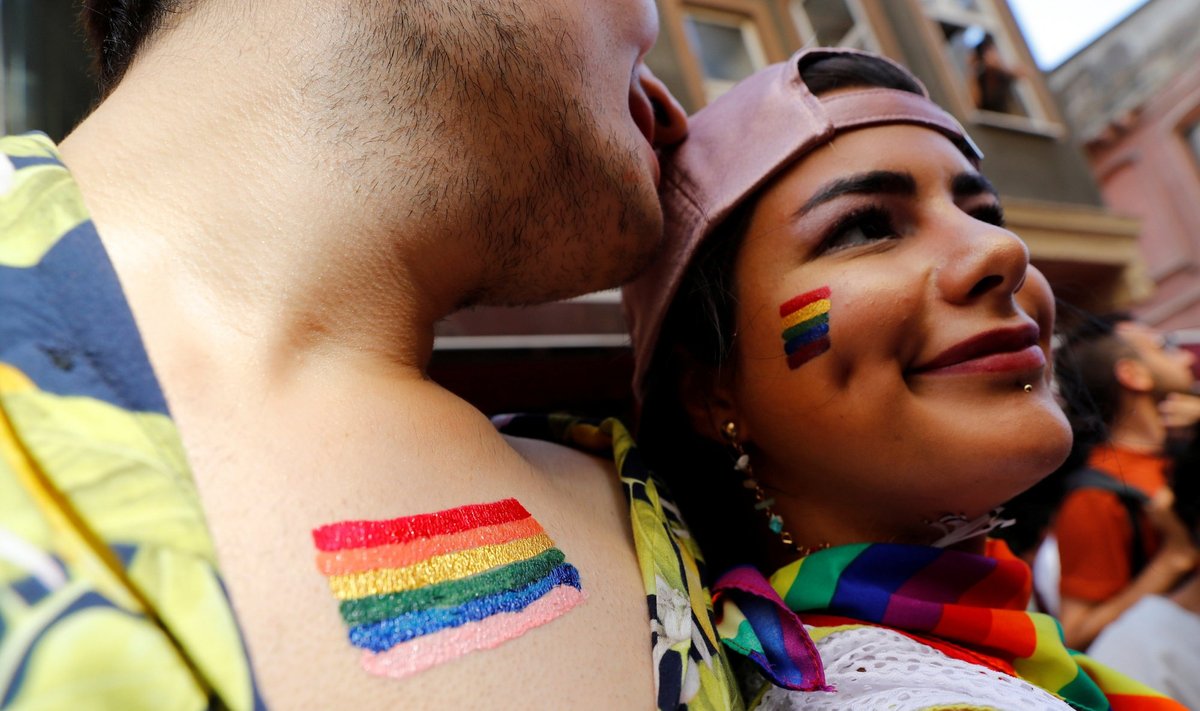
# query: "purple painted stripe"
807,353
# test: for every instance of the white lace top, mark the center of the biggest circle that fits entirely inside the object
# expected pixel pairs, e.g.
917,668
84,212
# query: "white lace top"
876,668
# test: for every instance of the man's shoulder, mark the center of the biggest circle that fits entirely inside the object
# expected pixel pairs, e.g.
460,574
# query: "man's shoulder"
556,458
519,577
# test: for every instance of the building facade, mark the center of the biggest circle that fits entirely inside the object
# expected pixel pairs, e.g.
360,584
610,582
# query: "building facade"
1031,154
1089,252
1133,99
574,354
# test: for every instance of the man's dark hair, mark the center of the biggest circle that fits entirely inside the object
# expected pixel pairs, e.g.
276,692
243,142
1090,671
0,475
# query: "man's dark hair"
1085,366
117,29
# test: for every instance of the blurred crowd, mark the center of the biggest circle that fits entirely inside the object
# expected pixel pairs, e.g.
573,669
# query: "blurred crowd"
1112,534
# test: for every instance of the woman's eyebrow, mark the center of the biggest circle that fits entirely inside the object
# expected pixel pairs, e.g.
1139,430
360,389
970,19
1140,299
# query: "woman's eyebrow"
876,181
969,184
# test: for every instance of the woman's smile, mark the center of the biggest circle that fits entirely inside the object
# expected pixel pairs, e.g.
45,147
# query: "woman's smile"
1003,350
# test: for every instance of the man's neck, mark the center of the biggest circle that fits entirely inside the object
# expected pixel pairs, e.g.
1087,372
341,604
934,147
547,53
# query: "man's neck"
1138,427
243,249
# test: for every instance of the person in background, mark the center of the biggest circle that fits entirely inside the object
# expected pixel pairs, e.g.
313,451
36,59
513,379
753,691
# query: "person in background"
1116,537
994,79
1157,640
226,480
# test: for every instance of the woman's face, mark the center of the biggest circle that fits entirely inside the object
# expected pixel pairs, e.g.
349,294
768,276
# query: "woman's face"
900,394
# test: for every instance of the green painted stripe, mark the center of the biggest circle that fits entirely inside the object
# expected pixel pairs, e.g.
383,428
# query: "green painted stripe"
375,608
803,326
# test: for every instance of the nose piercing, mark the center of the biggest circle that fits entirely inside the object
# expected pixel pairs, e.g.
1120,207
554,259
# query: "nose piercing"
1028,388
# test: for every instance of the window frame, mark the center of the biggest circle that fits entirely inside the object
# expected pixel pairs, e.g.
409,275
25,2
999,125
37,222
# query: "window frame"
806,36
995,19
756,14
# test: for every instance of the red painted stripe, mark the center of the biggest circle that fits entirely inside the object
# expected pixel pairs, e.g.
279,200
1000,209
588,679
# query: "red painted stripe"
399,555
812,350
365,534
798,302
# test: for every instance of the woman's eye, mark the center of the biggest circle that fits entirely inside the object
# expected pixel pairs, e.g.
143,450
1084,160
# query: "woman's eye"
865,226
991,214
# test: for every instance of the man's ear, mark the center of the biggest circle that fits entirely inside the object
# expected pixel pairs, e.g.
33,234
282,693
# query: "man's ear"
1132,374
707,394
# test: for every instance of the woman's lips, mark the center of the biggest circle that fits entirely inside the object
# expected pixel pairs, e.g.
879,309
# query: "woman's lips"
1026,359
998,351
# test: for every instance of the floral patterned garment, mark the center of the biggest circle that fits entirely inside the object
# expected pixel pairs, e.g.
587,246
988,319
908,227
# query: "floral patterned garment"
690,667
109,592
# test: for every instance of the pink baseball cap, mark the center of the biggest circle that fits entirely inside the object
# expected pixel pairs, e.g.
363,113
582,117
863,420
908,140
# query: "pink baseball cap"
734,146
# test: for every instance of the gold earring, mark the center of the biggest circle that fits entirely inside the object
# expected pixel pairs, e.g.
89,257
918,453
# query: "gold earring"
762,502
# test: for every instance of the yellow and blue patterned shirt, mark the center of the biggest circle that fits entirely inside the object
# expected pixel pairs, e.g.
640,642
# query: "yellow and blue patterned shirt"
110,596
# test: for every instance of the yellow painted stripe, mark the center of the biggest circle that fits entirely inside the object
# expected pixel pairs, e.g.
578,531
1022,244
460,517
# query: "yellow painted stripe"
804,314
438,569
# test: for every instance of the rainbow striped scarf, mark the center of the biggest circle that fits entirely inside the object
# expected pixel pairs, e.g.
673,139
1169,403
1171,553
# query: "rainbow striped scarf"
970,607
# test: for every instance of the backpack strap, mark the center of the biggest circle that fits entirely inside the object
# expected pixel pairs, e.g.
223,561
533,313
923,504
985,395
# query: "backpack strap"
1132,499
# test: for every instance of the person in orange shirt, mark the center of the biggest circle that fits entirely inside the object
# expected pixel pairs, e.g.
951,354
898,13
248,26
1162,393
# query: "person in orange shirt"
1118,539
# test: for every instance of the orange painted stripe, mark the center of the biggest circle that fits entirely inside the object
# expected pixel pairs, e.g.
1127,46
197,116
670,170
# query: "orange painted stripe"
398,555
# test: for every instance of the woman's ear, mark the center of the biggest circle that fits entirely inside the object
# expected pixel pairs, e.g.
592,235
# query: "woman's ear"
707,396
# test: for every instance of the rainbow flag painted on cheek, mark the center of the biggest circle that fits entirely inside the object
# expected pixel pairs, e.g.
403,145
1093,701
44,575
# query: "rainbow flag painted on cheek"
422,590
805,326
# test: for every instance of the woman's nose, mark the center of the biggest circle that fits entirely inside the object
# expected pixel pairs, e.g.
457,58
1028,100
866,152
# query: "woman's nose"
983,261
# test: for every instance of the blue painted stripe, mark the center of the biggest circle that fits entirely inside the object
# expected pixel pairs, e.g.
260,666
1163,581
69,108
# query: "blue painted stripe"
806,338
381,636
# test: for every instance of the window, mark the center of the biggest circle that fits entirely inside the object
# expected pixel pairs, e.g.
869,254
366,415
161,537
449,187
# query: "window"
980,52
833,23
44,84
727,45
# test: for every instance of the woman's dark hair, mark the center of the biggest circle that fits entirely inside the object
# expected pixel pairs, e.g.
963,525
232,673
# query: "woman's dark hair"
117,29
699,332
